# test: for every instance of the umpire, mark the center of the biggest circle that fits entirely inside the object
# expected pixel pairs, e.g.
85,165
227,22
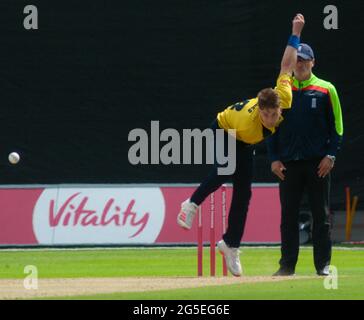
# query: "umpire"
302,155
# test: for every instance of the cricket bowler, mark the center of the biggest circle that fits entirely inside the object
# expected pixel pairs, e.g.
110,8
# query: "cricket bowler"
253,120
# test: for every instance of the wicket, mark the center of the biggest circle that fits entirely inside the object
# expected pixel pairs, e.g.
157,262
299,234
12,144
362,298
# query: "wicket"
212,235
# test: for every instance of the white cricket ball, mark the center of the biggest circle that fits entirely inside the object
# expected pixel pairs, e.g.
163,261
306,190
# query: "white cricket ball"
14,158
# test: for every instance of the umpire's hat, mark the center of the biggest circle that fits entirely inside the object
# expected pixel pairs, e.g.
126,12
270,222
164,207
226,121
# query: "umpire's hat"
305,52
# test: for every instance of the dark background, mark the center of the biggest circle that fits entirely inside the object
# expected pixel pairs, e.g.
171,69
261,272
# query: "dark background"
72,90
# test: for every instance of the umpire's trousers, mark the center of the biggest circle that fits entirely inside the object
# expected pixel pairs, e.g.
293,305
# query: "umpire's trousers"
303,176
241,179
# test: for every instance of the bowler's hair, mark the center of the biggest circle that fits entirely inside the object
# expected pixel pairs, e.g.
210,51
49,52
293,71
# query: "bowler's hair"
268,99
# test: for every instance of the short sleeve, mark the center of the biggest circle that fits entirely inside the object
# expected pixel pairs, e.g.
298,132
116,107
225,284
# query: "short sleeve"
284,90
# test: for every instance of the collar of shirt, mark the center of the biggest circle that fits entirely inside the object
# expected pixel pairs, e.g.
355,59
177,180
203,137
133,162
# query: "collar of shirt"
305,83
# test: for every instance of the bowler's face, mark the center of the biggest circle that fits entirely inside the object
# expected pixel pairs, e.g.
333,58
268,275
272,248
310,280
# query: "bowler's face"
270,117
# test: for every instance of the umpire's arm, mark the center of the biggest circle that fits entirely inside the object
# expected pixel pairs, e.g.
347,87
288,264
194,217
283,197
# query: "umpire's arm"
335,122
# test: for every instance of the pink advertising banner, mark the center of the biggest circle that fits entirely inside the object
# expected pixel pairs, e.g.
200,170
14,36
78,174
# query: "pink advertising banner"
127,214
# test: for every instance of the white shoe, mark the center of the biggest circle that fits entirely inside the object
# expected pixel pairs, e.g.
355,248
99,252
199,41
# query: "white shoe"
187,213
231,257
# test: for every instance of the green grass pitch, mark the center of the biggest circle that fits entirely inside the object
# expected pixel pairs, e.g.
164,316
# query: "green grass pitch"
181,262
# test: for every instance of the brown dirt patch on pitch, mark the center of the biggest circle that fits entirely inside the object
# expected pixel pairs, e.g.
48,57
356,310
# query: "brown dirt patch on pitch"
14,288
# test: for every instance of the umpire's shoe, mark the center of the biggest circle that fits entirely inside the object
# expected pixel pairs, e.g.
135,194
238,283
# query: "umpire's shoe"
231,256
324,271
284,272
187,213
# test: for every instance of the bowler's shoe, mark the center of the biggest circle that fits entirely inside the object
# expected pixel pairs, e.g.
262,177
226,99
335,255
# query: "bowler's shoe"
231,256
187,213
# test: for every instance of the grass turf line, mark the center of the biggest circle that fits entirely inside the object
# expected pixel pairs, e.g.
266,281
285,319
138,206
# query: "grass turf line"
182,262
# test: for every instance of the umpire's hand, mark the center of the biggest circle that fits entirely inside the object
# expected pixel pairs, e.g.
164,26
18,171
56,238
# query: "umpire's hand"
325,167
278,168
